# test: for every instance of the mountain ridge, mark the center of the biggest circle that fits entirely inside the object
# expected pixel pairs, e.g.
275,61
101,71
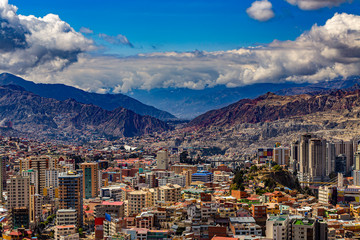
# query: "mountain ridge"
69,119
271,107
190,103
106,101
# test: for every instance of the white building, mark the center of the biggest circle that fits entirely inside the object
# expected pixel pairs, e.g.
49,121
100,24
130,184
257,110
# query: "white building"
66,217
277,227
162,160
51,178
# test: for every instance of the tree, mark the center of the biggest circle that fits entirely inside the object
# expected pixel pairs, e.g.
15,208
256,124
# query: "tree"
80,231
253,168
184,156
277,168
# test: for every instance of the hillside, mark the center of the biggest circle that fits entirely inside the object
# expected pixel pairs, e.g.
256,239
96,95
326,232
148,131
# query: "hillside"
106,101
271,107
69,119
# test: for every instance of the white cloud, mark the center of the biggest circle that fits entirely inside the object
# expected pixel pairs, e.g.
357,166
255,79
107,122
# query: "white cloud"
261,10
322,53
86,30
316,4
116,40
47,49
28,42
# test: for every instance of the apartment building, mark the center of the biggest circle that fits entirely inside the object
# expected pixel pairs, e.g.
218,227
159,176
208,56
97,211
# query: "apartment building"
66,217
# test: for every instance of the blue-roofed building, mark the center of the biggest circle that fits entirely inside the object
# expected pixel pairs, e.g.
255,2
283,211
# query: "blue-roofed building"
202,176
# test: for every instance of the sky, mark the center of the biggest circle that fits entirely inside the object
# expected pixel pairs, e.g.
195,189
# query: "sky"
117,46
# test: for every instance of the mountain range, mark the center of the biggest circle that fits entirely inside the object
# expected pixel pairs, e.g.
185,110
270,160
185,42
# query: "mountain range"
178,103
70,120
188,103
62,92
271,107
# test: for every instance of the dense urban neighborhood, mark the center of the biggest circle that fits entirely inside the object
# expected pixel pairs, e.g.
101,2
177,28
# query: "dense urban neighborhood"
309,189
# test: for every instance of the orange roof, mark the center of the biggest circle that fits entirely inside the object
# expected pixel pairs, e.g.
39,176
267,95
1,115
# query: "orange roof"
112,203
65,226
224,238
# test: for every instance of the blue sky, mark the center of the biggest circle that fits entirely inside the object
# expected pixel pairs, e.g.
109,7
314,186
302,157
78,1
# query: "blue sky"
142,44
168,25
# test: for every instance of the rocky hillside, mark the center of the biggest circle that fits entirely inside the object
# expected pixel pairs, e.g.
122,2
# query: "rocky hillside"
69,119
106,101
271,107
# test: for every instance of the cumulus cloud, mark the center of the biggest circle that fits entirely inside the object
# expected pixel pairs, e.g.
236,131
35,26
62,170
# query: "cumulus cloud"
323,53
86,30
28,42
47,49
261,10
316,4
116,40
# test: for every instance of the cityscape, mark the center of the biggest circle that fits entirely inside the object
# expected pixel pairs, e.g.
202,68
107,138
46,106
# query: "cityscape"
111,190
180,120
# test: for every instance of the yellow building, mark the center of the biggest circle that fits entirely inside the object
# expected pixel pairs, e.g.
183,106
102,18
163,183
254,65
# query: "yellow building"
138,200
272,208
168,193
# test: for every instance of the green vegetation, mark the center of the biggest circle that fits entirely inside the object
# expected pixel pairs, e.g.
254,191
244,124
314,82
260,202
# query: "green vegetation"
300,222
253,168
238,181
180,230
211,151
277,168
80,231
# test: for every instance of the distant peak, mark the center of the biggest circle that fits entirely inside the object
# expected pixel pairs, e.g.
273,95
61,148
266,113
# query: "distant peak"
15,87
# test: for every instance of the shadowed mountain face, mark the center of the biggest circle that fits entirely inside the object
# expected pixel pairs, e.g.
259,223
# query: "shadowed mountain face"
271,107
70,119
106,101
188,103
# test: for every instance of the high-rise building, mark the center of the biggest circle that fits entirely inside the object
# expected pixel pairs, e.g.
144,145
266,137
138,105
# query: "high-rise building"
138,200
277,227
317,159
52,178
71,193
3,161
162,160
35,209
90,180
19,217
304,157
66,217
281,155
340,164
168,193
307,228
357,158
188,177
18,192
33,177
265,155
39,164
356,177
346,148
294,156
330,158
